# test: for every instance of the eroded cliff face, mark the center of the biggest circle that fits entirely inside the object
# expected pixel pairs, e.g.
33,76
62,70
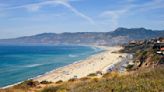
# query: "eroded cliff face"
144,55
147,58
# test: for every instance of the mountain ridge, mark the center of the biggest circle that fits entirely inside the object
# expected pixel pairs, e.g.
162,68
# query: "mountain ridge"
118,36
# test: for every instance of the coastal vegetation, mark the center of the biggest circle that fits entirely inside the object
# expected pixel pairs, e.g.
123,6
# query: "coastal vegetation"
143,80
92,74
45,82
60,81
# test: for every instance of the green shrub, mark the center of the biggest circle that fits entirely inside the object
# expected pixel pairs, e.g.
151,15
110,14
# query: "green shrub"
92,74
60,81
30,83
144,53
45,82
27,84
129,67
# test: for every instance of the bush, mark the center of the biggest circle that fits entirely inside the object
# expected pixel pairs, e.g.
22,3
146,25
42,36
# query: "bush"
45,82
144,53
92,74
27,84
30,83
129,67
60,81
72,80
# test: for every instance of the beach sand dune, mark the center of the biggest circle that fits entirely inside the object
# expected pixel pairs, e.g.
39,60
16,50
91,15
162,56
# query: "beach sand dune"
83,68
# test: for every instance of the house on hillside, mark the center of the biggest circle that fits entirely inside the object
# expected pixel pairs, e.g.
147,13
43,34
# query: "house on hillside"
138,42
160,40
159,46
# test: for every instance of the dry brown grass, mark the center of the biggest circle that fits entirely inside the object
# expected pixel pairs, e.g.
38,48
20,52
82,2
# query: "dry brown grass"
144,80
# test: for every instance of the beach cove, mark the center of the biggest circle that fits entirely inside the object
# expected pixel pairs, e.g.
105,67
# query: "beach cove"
98,62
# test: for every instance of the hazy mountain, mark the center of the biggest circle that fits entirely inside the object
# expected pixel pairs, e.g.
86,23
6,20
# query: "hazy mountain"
120,35
137,33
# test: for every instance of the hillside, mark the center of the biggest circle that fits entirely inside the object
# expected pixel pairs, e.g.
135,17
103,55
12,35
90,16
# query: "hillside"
119,36
145,80
137,33
142,81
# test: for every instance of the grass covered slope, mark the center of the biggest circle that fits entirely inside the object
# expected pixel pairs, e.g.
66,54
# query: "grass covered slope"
142,80
147,80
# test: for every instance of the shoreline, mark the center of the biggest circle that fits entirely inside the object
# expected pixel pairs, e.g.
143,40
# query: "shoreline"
76,62
69,71
33,78
82,68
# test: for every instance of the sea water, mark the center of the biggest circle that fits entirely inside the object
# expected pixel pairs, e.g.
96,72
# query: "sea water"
19,63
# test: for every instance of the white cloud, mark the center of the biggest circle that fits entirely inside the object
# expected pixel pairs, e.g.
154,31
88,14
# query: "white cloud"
131,8
35,6
65,3
74,10
113,16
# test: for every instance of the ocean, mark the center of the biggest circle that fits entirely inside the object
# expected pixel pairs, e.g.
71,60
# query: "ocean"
19,63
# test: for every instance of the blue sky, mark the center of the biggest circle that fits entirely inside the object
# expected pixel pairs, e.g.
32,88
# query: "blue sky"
29,17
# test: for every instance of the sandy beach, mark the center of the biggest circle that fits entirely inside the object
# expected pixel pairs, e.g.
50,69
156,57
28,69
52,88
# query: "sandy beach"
94,63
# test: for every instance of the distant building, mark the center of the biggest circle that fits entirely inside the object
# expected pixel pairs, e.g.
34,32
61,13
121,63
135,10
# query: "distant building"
133,42
136,43
159,46
160,40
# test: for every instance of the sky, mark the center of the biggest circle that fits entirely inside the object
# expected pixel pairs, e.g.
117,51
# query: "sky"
30,17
